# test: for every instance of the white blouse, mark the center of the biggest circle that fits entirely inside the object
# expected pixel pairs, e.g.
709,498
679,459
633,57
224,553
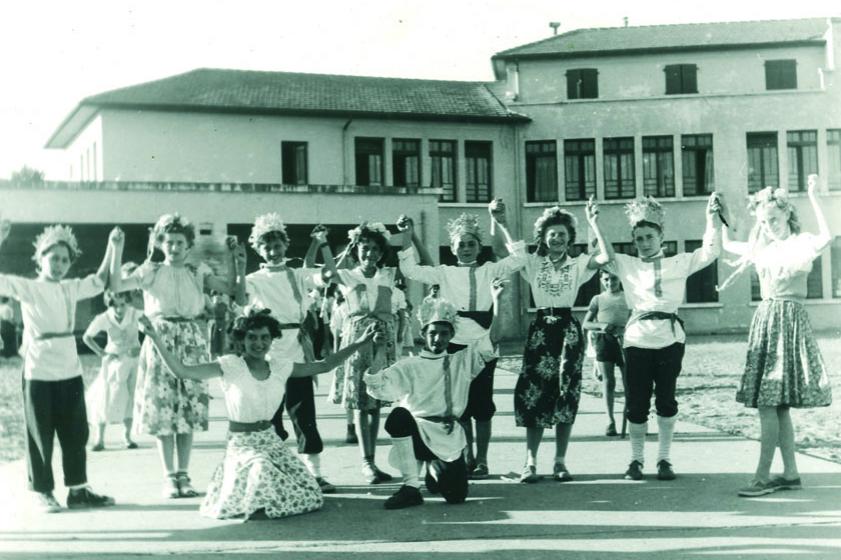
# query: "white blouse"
556,286
248,399
172,291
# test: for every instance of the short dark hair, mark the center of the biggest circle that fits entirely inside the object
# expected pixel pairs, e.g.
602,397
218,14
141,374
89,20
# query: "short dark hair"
646,223
425,327
273,235
253,319
377,238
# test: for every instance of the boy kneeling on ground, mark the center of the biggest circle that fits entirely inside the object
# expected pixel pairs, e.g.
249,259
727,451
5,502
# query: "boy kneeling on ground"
430,393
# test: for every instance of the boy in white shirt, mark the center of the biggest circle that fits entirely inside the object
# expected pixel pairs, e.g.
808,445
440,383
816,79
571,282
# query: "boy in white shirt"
654,337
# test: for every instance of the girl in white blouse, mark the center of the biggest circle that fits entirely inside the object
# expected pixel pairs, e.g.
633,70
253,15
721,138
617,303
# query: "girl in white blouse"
259,476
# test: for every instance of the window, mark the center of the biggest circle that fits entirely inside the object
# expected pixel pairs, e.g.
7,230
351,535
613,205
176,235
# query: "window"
833,153
583,83
293,160
442,154
619,168
802,157
681,78
700,286
591,287
658,173
579,169
835,264
477,156
405,157
814,282
780,74
763,170
541,171
697,154
369,161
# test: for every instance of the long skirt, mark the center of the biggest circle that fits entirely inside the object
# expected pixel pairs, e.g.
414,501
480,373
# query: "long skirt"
371,358
549,387
259,472
110,398
164,404
784,366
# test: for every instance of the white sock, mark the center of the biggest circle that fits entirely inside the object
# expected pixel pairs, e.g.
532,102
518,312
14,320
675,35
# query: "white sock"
313,463
530,461
402,458
637,433
666,427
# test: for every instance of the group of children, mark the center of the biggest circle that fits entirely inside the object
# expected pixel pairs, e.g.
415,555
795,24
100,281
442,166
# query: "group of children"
442,399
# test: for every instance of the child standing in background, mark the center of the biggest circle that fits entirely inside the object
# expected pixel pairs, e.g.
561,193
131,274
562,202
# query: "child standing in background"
110,398
606,318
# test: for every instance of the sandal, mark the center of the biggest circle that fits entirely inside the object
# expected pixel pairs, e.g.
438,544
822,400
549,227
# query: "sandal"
171,489
185,489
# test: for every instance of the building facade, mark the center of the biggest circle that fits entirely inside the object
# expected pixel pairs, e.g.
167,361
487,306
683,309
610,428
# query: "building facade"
673,111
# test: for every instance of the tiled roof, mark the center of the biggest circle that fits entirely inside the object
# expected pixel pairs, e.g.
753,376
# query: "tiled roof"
612,40
242,90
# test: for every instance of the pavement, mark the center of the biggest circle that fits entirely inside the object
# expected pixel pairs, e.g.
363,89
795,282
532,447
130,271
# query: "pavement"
598,515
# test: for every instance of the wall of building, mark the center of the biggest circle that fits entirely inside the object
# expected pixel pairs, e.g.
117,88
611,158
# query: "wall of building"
84,155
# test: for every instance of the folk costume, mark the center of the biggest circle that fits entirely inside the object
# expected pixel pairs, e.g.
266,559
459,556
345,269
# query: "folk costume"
467,287
654,336
258,471
430,392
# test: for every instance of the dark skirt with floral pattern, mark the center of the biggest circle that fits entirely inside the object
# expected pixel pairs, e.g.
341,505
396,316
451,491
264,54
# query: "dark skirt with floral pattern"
549,387
784,366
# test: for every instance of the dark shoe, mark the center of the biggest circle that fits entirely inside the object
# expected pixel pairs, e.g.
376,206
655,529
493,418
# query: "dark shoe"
98,447
529,474
382,476
87,498
634,471
610,431
479,472
45,502
407,496
170,490
785,484
326,487
185,489
664,470
369,472
560,473
131,445
758,488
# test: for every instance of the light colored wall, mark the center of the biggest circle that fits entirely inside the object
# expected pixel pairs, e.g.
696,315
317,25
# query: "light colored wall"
633,77
86,152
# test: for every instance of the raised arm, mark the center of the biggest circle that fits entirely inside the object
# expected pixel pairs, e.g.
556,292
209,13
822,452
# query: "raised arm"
824,235
711,245
499,227
605,254
198,372
334,360
330,272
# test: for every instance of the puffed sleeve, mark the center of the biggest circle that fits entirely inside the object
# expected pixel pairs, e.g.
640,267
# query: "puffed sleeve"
281,367
390,384
228,363
202,272
145,274
806,247
89,286
516,259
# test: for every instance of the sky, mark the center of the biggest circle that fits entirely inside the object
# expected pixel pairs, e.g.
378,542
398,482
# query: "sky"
55,53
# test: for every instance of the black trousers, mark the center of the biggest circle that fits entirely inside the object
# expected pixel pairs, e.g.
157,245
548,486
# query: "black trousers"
480,398
652,370
452,476
55,408
299,402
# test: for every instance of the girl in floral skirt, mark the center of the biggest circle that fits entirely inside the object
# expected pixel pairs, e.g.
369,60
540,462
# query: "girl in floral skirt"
259,477
784,367
549,387
167,407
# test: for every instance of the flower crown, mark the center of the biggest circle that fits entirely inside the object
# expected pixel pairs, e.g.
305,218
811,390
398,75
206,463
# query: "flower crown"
53,235
645,210
437,310
264,224
175,220
465,224
778,195
374,227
